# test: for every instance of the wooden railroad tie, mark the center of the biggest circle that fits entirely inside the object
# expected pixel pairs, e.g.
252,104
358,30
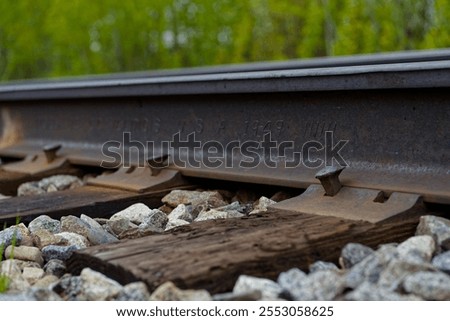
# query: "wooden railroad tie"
212,254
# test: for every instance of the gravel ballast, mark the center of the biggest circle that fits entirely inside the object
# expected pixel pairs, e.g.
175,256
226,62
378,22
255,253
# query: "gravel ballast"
416,269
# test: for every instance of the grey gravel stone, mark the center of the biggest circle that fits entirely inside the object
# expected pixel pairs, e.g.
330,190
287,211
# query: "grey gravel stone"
428,285
269,289
370,268
49,184
101,220
181,212
29,188
199,208
26,253
62,253
11,264
174,223
97,287
353,253
8,235
417,249
44,294
42,238
21,296
23,264
176,197
69,238
169,292
91,223
119,225
55,267
27,239
46,282
261,205
321,266
68,287
367,291
44,222
254,295
442,262
395,272
10,269
322,285
137,232
214,214
74,224
156,218
136,213
88,228
136,291
235,206
32,274
291,279
51,188
96,234
60,182
436,227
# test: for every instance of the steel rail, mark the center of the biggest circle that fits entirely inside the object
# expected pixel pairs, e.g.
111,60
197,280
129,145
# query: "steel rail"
322,62
429,74
395,117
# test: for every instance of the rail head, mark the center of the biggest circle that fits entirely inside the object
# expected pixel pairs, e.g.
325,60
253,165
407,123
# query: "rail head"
399,71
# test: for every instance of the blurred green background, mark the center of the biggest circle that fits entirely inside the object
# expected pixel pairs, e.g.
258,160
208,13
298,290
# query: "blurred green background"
52,38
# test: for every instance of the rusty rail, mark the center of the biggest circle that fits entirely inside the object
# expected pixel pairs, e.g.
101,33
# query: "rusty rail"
389,123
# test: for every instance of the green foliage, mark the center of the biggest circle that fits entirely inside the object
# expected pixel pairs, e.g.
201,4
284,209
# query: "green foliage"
4,279
51,38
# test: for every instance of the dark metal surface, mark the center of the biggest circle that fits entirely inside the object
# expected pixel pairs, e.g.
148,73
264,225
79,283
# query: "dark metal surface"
390,76
323,62
139,179
354,204
395,118
43,163
329,178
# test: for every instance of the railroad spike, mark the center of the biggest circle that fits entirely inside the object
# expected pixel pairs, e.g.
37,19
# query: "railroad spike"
50,151
158,163
329,178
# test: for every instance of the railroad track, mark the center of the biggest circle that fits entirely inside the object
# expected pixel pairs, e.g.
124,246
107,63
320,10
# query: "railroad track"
377,127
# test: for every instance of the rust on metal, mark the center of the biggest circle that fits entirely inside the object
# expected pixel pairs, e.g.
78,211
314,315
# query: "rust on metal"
332,199
329,178
354,204
50,152
139,179
158,163
393,117
10,128
44,162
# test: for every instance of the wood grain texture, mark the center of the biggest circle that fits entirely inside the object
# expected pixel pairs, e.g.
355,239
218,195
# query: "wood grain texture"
89,200
212,254
10,181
